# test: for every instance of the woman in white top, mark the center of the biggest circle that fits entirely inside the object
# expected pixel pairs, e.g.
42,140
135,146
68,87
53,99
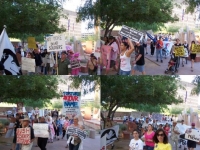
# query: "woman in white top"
125,57
136,143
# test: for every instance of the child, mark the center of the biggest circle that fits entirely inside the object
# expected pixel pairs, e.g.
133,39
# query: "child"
170,65
75,64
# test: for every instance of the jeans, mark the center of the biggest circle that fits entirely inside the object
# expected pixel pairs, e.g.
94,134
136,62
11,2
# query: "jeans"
17,147
121,72
159,52
149,148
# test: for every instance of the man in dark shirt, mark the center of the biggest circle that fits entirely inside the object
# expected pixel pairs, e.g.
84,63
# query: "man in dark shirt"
42,142
38,61
17,125
139,61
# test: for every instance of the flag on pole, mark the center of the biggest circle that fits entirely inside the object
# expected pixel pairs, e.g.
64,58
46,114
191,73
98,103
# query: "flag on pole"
8,56
151,37
68,24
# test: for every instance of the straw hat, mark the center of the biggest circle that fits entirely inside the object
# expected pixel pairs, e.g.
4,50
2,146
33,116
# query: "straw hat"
26,118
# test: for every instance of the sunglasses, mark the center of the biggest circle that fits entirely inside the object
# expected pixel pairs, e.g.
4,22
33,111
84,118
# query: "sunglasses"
160,135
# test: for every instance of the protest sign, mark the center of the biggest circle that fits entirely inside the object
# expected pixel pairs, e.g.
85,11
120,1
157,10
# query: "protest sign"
28,64
131,33
195,48
41,130
103,143
23,136
193,135
56,43
31,43
71,103
157,116
20,107
76,131
179,51
111,134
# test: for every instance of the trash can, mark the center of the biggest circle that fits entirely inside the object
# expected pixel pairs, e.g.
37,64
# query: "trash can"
92,134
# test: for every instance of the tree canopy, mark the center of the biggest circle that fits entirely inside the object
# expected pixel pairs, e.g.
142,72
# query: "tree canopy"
31,90
113,13
196,89
30,17
138,92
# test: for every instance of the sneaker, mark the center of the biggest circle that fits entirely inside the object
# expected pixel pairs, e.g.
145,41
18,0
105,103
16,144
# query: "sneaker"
161,61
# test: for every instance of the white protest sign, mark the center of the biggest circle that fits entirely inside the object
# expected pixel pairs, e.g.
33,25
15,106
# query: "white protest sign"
111,134
82,134
41,130
182,128
28,64
193,135
103,143
56,43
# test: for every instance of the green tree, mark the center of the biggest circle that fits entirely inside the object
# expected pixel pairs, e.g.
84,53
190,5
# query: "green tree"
175,110
57,105
132,91
35,91
31,17
117,12
196,89
173,29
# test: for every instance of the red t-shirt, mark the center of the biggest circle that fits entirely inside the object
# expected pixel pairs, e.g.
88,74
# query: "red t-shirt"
159,44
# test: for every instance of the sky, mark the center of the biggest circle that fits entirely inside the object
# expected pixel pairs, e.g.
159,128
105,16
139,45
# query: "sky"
73,5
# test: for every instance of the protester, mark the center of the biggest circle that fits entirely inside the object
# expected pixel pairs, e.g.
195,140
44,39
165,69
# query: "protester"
42,142
175,134
64,66
51,129
92,65
49,63
77,143
75,64
125,57
161,140
177,58
38,61
159,46
167,129
136,143
25,124
152,48
191,144
192,56
17,125
139,60
148,138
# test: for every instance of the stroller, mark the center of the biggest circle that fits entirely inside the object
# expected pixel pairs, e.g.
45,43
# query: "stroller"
171,66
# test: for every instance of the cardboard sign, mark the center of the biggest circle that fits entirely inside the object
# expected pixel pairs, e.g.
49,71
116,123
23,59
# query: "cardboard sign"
195,48
23,136
71,103
41,130
193,135
31,43
56,43
28,64
179,51
76,131
131,33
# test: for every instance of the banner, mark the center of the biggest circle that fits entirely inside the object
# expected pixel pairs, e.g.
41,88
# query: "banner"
131,33
20,107
23,136
103,143
111,134
193,135
31,43
179,51
71,103
76,131
168,46
28,64
157,116
55,43
41,130
195,48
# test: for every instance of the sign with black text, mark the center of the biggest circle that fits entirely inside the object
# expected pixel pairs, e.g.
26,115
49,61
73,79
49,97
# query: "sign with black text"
55,43
132,34
193,135
76,131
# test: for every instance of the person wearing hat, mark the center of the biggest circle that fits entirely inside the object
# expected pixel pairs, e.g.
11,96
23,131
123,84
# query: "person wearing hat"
25,124
64,66
175,134
191,144
92,65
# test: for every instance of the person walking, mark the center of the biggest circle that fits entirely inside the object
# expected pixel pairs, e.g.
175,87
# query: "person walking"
192,56
175,134
125,57
148,138
136,143
42,142
159,46
92,65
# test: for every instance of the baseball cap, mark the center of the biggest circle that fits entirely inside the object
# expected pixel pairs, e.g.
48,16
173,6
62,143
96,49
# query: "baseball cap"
193,124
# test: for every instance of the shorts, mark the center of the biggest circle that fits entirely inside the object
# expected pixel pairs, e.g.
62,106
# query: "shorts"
48,68
144,45
112,63
191,144
138,68
121,72
193,56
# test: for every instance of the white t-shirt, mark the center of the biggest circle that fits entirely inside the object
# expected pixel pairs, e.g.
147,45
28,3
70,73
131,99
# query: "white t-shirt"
136,144
114,51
